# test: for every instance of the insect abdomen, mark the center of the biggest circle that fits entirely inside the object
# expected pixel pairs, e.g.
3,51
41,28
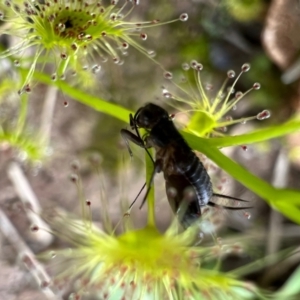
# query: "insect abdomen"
199,179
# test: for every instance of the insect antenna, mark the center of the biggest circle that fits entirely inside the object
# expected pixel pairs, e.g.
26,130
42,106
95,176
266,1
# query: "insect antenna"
228,197
132,203
157,169
210,203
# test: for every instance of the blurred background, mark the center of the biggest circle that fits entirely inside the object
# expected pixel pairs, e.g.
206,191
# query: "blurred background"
221,35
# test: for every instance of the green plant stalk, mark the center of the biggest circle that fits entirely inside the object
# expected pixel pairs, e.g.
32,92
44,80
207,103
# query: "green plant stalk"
22,115
151,197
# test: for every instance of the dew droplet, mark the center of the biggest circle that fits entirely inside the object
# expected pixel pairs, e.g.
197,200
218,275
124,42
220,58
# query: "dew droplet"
209,87
237,249
256,86
245,67
265,114
121,62
113,16
168,75
74,296
116,60
52,254
125,45
167,95
143,36
75,165
66,103
223,129
49,151
247,215
155,21
96,158
185,66
193,63
27,260
27,88
151,53
184,17
23,155
61,27
45,284
34,228
96,69
63,56
199,67
238,95
230,90
53,77
230,74
74,46
74,177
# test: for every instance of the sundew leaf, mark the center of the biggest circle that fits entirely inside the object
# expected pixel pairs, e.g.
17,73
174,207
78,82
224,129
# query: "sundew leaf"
256,136
24,143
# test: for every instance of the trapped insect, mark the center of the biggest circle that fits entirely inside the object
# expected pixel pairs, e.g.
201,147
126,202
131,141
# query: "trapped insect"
188,185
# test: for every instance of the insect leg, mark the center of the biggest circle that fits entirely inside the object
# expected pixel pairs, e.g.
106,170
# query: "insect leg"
157,169
136,139
129,136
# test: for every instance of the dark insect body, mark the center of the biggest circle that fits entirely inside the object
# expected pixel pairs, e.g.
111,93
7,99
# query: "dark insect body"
188,185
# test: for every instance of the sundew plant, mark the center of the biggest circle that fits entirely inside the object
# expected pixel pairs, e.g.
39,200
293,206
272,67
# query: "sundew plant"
122,55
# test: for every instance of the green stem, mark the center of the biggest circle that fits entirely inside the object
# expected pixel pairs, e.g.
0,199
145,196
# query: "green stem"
22,114
151,198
